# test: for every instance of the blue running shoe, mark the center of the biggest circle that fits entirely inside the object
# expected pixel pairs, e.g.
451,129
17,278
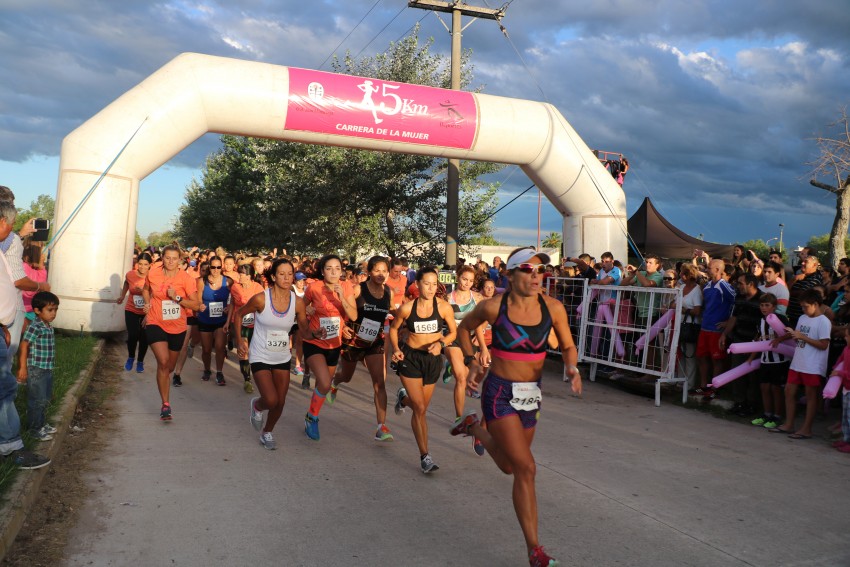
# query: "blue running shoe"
140,367
311,427
128,366
447,374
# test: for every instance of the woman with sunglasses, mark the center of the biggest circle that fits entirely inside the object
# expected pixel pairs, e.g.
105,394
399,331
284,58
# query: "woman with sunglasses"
418,359
275,311
330,304
214,294
374,300
243,327
522,319
134,312
168,292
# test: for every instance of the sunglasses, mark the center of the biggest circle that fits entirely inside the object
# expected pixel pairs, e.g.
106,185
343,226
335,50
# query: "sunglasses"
668,279
529,268
215,267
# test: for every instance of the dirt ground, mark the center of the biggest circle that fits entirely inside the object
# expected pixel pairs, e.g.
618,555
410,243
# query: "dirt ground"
42,540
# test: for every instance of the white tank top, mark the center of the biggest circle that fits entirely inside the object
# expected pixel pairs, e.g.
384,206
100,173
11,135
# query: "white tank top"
270,343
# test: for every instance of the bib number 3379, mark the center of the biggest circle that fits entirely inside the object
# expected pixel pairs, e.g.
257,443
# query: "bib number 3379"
526,396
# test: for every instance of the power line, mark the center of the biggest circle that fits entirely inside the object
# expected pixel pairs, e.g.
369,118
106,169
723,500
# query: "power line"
349,33
374,37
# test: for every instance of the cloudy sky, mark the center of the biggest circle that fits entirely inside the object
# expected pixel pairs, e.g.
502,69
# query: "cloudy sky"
714,102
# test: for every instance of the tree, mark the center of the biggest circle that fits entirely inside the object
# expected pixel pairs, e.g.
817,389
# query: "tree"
552,240
41,208
833,163
822,242
759,247
259,193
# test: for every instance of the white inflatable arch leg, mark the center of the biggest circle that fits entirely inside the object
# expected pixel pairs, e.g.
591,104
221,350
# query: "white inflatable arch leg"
196,94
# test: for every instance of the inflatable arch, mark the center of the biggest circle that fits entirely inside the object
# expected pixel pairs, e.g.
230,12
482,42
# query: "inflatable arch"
195,94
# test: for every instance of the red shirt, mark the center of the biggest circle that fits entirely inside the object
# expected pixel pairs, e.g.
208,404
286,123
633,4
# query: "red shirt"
172,319
329,312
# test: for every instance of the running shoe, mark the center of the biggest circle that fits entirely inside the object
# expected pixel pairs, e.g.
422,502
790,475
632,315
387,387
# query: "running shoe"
176,381
473,393
761,420
311,427
383,433
219,379
399,401
447,373
539,558
41,435
140,367
206,376
774,421
428,465
249,387
165,412
331,397
709,393
190,350
26,460
462,424
128,366
478,447
49,428
305,382
267,441
298,371
256,416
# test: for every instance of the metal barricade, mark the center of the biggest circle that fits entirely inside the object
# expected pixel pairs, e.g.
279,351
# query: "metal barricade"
571,293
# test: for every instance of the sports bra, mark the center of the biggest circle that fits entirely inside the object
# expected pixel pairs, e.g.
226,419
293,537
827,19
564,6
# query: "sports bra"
418,326
520,342
462,311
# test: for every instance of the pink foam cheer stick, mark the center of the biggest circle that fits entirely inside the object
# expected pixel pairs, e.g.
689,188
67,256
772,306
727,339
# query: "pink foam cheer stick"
776,324
609,318
735,373
832,386
654,330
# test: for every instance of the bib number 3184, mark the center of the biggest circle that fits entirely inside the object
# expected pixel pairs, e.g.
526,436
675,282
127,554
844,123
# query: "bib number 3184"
526,396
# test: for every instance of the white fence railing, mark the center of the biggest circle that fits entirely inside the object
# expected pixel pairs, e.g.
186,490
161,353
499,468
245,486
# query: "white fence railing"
629,328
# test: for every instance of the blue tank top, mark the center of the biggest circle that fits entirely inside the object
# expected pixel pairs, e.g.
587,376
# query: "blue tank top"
216,301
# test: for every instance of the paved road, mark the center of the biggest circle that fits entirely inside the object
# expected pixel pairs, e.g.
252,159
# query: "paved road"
620,482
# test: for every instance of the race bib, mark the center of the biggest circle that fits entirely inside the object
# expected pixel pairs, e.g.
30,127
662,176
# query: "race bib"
277,341
424,327
368,330
216,309
331,326
138,302
248,320
170,310
526,396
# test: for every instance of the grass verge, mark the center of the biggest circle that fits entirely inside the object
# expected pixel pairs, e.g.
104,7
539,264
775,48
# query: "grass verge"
73,353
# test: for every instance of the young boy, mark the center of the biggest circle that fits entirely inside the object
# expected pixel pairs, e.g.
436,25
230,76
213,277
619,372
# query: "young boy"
843,444
35,364
808,366
774,367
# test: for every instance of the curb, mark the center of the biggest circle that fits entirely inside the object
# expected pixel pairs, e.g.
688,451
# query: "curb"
23,493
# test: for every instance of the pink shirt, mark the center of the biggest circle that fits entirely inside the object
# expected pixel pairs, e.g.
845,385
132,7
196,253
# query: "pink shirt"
36,276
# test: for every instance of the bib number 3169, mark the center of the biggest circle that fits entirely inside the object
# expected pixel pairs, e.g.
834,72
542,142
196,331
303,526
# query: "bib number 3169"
526,396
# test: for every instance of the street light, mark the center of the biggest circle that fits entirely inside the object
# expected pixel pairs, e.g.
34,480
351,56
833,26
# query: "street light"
781,229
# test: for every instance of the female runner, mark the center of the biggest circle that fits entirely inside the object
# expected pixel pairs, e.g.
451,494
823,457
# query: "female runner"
214,293
134,312
419,361
275,312
243,327
374,302
330,304
463,301
168,292
193,335
510,401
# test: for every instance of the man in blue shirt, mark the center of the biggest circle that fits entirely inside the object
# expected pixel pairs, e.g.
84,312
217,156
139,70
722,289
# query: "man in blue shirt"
718,298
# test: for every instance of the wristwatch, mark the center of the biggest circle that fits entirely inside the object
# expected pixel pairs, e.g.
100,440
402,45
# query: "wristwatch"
467,360
178,299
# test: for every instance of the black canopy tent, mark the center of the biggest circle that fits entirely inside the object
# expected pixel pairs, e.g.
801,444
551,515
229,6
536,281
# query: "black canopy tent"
652,233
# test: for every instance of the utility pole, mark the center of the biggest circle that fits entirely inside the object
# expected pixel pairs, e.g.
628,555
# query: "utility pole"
457,8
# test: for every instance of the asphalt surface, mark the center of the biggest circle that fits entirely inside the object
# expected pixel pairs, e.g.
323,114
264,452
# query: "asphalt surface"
619,482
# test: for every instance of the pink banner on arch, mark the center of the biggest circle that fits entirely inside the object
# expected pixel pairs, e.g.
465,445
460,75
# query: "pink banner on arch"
329,103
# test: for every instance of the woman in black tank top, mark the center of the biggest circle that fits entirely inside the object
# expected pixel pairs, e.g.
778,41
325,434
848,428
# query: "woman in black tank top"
374,300
419,360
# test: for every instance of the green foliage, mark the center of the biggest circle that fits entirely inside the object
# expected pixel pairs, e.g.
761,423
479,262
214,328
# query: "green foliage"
140,242
759,246
160,239
552,240
257,193
42,208
821,244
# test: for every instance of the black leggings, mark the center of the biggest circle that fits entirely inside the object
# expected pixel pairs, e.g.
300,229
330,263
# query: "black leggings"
135,334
